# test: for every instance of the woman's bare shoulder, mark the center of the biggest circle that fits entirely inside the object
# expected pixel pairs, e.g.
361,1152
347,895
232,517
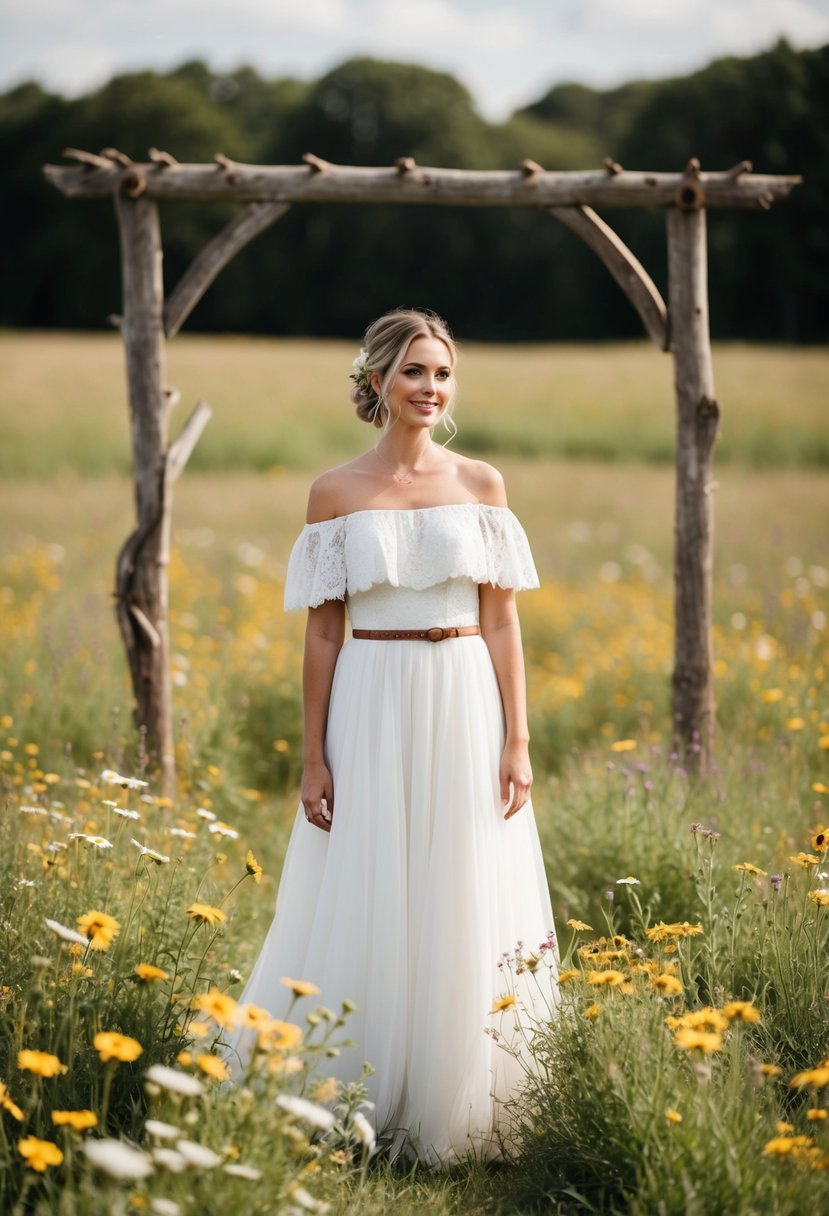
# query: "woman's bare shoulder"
481,479
332,492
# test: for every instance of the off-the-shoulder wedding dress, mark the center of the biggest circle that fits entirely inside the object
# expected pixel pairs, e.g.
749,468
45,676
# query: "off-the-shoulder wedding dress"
408,905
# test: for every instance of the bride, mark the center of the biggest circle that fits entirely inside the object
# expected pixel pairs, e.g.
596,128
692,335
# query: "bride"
414,863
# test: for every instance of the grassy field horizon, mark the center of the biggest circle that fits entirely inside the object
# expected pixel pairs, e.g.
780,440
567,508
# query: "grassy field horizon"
284,403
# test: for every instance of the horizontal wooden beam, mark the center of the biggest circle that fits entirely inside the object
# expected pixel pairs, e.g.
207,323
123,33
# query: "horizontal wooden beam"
320,182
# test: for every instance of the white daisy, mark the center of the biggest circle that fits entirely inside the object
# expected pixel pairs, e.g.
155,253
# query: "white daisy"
159,858
118,1159
309,1112
174,1080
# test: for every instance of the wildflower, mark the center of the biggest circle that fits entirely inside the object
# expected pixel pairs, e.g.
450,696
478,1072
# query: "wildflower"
181,833
817,1077
39,1154
673,1116
661,930
218,1006
126,813
111,1045
741,1011
110,777
100,842
814,1115
745,867
327,1090
503,1002
776,881
697,1040
148,972
566,976
160,1130
705,1019
78,1120
161,1206
65,934
279,1036
252,866
310,1112
668,985
608,979
184,1058
300,987
770,1070
118,1159
630,881
805,859
364,1130
198,1155
206,914
820,897
41,1063
592,1011
781,1146
169,1159
206,815
244,1171
99,927
9,1106
223,829
819,840
160,859
623,745
175,1081
580,926
212,1066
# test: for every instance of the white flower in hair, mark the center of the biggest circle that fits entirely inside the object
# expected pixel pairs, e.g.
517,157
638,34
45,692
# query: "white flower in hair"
360,372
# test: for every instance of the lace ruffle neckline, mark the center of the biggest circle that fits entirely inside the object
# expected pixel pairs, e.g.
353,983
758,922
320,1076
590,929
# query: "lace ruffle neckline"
414,547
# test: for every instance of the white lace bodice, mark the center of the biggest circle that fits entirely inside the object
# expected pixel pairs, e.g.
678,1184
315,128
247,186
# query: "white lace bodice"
382,561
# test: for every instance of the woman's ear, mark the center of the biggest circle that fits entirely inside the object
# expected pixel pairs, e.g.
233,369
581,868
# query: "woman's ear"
375,382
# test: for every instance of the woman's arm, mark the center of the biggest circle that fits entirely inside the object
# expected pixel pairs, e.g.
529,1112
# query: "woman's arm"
502,633
324,635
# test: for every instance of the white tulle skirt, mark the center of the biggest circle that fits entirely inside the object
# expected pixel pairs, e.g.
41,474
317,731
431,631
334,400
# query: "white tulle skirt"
408,905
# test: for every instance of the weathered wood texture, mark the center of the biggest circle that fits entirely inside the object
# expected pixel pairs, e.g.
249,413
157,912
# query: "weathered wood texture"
697,420
626,269
141,572
322,183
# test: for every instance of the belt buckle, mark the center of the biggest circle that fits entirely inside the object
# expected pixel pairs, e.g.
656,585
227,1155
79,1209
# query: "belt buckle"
436,633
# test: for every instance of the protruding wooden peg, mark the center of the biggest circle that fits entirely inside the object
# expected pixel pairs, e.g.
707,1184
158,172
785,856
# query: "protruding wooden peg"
88,159
613,167
405,164
120,158
223,162
531,168
745,166
164,160
315,163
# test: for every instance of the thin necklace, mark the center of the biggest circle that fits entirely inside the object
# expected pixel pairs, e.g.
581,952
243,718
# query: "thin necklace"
403,479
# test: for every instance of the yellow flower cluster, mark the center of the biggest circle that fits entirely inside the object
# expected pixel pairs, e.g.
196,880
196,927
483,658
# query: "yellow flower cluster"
660,931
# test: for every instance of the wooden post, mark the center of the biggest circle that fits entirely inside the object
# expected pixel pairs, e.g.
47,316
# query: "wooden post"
141,569
697,417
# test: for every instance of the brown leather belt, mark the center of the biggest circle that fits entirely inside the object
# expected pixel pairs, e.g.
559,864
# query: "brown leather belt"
436,634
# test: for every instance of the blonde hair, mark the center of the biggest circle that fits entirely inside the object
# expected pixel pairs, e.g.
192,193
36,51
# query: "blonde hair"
385,344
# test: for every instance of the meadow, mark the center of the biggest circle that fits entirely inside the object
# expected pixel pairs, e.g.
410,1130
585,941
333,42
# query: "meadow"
688,1071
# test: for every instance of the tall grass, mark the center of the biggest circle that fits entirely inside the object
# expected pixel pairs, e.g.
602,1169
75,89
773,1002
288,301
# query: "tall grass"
284,403
620,1113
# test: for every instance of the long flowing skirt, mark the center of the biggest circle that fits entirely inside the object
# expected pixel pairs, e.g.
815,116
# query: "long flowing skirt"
407,907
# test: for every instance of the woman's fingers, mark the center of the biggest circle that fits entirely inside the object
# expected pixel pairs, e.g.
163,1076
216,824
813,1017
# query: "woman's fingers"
518,787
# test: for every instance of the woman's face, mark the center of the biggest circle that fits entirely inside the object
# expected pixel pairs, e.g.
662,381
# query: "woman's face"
423,386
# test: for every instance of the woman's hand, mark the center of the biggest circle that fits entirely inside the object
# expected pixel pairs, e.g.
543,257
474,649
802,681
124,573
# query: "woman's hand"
515,776
317,796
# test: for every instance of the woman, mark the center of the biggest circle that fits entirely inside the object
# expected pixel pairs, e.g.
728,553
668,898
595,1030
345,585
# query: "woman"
414,863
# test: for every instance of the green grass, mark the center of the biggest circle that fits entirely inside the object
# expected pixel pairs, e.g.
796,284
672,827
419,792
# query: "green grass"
284,403
610,799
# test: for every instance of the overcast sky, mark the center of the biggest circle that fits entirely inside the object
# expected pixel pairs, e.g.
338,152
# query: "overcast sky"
507,52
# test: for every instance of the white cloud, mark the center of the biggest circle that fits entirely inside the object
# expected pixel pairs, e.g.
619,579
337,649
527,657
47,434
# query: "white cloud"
507,52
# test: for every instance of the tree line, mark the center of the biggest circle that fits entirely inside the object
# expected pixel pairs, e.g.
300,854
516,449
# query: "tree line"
497,274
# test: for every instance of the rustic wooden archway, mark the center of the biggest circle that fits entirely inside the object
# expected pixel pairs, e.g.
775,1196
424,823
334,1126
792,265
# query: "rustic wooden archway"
147,321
